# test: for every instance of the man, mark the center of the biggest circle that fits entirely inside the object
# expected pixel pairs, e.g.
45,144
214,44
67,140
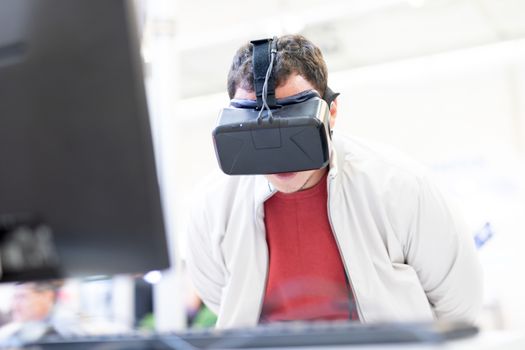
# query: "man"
34,301
368,238
31,312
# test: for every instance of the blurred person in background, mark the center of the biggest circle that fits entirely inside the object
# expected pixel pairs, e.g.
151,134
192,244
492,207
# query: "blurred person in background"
32,312
34,301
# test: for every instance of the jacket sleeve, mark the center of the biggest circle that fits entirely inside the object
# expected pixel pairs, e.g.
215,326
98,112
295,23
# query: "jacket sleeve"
204,266
442,252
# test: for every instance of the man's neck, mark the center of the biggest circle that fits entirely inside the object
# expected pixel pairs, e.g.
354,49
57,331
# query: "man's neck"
314,178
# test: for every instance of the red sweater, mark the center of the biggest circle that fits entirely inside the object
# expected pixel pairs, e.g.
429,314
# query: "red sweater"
306,277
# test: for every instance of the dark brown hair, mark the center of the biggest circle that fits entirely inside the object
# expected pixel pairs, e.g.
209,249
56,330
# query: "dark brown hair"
295,55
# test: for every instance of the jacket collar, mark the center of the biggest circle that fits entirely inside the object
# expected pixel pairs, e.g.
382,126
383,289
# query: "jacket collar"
263,189
333,164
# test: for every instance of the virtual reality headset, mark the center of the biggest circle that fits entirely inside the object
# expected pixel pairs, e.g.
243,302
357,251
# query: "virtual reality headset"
268,135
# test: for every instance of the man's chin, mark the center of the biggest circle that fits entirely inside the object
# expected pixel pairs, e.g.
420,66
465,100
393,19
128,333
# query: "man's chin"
285,182
295,181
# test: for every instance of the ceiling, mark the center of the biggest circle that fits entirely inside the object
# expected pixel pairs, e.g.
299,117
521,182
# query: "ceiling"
351,33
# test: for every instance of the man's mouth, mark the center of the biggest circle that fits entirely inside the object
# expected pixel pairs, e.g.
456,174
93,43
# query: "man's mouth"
285,176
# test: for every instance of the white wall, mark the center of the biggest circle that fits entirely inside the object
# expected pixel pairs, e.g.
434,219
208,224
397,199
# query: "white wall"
436,106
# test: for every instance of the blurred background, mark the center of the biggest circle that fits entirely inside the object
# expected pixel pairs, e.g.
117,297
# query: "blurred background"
441,80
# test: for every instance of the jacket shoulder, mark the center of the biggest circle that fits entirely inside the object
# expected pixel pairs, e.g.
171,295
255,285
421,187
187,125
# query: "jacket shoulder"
218,193
363,158
392,182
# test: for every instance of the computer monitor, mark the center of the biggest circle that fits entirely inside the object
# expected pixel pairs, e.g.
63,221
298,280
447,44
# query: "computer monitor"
79,194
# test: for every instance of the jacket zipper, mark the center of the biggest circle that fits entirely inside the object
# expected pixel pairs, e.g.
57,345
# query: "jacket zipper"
349,278
261,299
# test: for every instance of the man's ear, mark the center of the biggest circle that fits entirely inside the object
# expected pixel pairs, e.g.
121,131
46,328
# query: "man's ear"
333,113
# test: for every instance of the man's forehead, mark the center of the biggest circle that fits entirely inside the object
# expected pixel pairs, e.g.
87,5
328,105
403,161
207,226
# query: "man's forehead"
294,85
243,94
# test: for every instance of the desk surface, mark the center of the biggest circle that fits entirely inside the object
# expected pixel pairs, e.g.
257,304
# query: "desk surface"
484,341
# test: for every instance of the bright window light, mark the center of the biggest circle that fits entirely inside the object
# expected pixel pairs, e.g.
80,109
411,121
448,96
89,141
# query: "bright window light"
153,277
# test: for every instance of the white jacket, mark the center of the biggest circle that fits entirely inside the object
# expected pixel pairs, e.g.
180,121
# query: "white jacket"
407,254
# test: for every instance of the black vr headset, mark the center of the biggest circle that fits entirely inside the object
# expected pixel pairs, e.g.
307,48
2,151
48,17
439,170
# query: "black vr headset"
270,135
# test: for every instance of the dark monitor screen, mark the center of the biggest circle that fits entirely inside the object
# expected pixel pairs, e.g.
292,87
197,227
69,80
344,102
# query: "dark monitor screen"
79,194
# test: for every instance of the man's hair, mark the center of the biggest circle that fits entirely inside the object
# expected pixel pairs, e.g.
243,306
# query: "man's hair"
43,285
295,55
